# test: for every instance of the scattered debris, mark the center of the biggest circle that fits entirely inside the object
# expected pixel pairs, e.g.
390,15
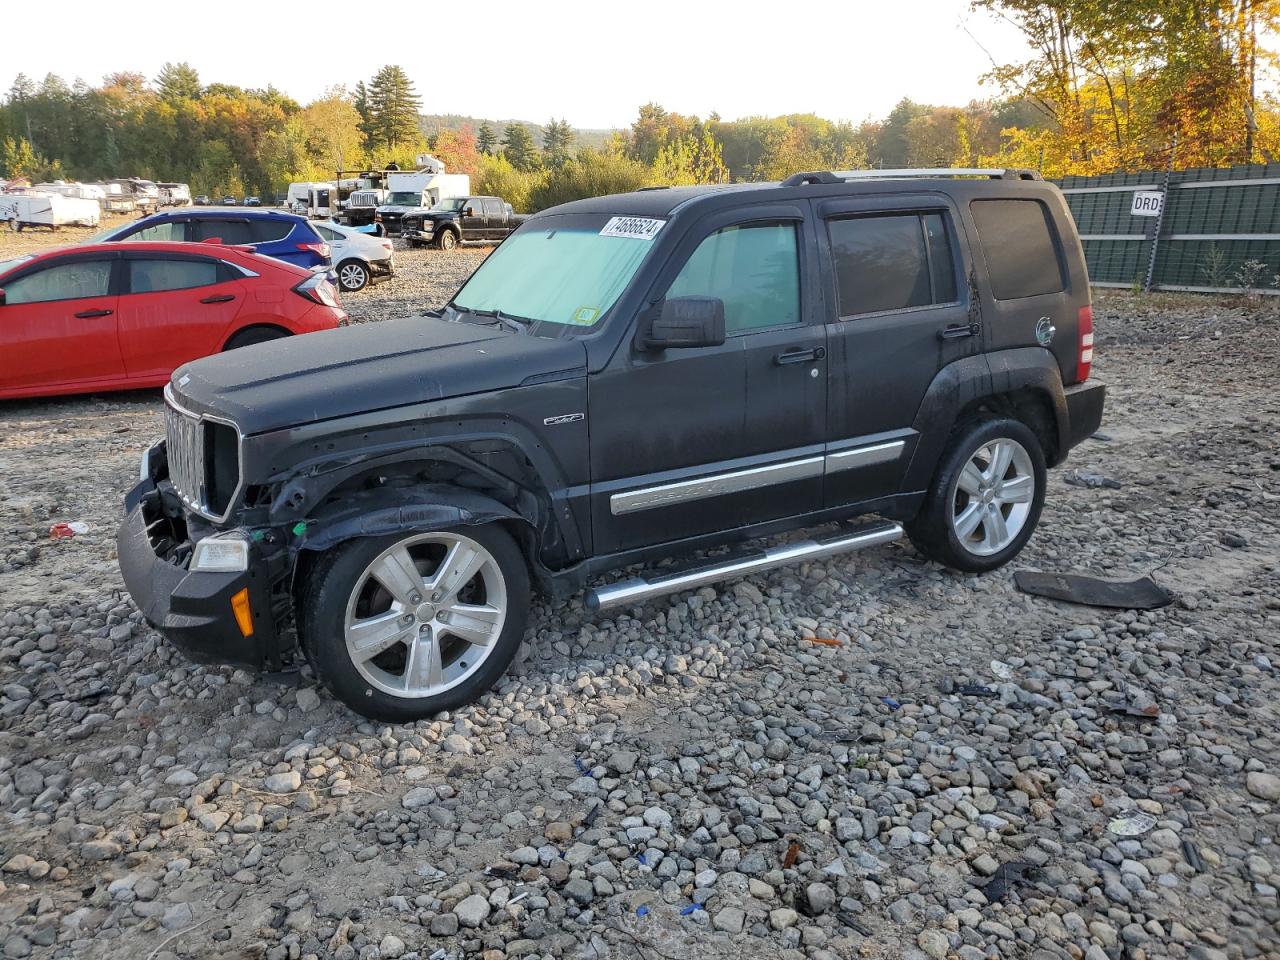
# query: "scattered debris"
789,859
1093,481
65,531
1001,670
1007,876
1132,825
1141,594
891,703
1192,854
825,641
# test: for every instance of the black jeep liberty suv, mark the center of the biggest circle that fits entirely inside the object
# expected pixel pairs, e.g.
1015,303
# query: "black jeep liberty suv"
625,379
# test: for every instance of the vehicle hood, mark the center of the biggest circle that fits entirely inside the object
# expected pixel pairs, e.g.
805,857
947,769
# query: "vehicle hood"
364,368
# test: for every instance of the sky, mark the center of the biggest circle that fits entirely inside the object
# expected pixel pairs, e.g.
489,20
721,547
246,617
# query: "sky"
593,63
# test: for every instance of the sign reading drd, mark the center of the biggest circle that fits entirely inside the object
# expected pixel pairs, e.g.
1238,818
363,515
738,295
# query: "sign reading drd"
1148,204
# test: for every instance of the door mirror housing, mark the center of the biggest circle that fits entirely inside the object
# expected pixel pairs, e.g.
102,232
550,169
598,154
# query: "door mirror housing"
470,211
685,322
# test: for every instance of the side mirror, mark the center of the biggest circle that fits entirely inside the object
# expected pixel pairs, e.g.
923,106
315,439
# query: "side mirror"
470,211
685,322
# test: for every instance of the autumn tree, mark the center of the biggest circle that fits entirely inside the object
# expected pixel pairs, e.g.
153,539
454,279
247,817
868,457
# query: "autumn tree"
332,130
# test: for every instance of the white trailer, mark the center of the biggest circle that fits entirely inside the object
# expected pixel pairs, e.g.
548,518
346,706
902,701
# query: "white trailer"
64,188
174,195
311,199
22,210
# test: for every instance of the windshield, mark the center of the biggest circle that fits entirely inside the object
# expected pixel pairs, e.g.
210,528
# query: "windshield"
567,270
449,206
404,198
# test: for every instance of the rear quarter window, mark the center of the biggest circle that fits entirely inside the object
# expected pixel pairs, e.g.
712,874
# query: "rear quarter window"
269,231
1019,246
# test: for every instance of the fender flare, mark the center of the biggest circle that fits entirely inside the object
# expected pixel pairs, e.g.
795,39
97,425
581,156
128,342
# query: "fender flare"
973,378
388,510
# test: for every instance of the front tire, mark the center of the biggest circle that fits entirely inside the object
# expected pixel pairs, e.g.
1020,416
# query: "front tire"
352,275
447,240
985,499
402,627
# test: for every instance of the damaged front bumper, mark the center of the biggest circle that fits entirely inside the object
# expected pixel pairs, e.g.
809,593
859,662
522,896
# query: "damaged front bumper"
217,617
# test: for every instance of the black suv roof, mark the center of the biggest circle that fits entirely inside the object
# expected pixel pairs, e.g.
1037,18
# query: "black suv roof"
665,201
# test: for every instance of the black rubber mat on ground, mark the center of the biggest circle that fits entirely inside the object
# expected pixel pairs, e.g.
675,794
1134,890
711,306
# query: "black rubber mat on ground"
1141,594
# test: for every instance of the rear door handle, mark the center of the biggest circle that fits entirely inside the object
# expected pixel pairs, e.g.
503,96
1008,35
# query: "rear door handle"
85,314
800,356
956,331
221,298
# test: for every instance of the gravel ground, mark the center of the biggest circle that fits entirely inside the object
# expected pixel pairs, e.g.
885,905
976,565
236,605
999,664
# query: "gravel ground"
865,757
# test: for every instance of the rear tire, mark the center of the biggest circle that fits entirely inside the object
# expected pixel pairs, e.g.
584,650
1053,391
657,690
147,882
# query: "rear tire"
353,275
247,338
402,627
986,496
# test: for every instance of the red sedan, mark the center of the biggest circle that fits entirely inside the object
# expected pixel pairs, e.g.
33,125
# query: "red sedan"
117,316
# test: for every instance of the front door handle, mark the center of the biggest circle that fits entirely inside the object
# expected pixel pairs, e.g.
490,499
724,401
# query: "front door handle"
85,314
956,331
800,356
221,298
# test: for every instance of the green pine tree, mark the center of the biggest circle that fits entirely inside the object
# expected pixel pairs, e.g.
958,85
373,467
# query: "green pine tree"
393,109
486,139
518,147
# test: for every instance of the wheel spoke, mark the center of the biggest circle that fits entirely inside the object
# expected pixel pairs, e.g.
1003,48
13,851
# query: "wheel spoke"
423,669
369,637
459,567
968,520
1001,454
476,624
971,479
1017,490
995,530
396,572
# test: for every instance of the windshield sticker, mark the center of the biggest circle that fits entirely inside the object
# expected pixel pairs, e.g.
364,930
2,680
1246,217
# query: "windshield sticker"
585,316
637,228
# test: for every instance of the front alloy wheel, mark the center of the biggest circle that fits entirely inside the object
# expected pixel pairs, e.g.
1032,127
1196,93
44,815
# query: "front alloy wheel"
403,627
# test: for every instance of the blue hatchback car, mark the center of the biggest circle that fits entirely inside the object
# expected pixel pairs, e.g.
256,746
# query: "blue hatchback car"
272,233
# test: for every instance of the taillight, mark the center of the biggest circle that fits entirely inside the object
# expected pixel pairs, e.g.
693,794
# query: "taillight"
318,248
318,289
1085,351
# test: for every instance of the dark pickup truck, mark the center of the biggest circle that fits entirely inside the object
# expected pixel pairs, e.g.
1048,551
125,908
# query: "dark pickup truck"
461,220
626,379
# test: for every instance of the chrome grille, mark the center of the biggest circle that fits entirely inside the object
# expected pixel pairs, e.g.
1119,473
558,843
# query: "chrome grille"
184,445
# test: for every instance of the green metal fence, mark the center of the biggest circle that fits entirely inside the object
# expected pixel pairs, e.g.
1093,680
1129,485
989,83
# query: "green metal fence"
1219,230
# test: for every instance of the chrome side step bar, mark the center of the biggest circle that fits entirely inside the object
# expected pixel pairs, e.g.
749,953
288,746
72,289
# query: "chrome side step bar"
639,589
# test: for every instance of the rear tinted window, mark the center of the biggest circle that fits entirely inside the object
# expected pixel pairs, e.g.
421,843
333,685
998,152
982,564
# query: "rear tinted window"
152,276
892,262
492,208
228,231
269,231
1018,246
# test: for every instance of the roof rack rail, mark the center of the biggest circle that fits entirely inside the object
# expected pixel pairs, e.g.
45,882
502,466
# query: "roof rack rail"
843,176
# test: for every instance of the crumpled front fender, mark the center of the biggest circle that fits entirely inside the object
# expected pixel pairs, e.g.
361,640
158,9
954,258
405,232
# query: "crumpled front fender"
388,510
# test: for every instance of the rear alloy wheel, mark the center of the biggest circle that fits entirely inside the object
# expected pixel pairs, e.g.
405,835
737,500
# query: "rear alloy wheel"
353,275
985,499
402,627
447,240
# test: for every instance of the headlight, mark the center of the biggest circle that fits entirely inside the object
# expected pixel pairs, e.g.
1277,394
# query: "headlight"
221,553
